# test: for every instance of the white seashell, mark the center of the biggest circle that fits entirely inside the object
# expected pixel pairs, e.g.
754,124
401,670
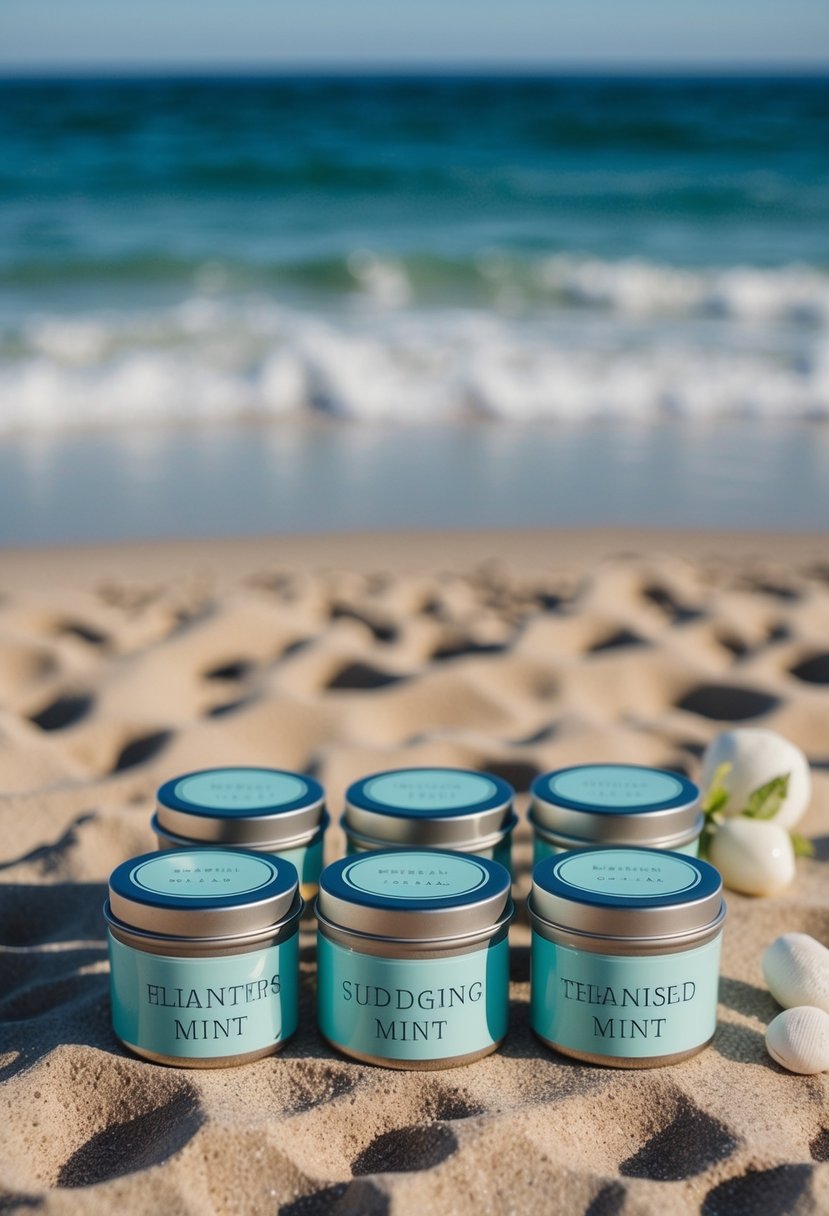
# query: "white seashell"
756,756
799,1039
754,856
796,968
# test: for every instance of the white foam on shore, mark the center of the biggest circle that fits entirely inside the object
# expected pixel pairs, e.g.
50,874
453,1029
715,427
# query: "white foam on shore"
624,340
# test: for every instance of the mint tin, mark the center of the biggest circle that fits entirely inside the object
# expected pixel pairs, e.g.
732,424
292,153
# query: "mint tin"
614,804
441,808
204,959
413,957
268,810
625,955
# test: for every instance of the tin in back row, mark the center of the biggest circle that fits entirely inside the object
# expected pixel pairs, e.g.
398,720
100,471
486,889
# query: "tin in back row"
283,813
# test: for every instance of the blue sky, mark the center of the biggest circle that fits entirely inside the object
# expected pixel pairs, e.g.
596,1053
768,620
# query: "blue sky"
343,33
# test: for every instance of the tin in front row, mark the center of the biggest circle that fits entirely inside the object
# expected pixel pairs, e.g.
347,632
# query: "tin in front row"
413,957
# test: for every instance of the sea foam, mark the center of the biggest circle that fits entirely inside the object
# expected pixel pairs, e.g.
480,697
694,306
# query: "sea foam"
560,338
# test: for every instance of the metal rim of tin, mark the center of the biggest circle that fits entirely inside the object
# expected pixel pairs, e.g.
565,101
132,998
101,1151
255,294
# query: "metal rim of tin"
246,1057
260,846
560,841
172,946
408,948
602,824
626,924
449,918
283,825
588,1057
478,845
456,827
430,1065
144,894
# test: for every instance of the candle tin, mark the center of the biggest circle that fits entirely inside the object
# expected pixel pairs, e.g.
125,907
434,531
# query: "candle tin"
624,963
413,957
267,810
442,808
204,956
614,804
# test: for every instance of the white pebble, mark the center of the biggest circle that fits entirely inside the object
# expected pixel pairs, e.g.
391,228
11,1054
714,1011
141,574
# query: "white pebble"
756,756
798,1039
796,968
754,856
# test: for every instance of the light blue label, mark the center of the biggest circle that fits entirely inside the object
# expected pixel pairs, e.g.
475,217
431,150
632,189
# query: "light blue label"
203,874
240,789
413,875
543,848
307,860
205,1008
405,1009
430,790
613,1005
615,786
626,873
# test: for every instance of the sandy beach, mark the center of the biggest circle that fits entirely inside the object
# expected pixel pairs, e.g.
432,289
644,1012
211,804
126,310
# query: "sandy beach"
123,666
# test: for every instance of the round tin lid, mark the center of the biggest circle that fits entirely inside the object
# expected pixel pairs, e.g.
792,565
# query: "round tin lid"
429,806
202,892
253,807
417,895
624,893
615,803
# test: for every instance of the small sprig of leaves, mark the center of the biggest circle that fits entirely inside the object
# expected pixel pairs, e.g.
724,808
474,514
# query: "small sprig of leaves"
766,800
763,803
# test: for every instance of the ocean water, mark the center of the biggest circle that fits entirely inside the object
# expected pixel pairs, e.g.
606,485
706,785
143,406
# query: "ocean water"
424,252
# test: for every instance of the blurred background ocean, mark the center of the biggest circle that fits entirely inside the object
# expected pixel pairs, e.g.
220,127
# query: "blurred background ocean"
240,304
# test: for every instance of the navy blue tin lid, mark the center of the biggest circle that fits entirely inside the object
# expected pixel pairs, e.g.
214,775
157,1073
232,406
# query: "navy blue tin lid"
622,892
430,806
418,893
616,804
241,805
202,892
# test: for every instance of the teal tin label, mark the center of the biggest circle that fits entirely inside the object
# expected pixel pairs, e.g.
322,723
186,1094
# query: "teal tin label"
413,1009
615,787
213,874
622,1006
408,875
430,790
204,1008
240,789
501,852
619,875
306,860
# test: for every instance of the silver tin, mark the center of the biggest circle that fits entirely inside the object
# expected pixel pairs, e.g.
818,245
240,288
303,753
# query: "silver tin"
179,923
615,929
431,807
265,809
414,922
614,804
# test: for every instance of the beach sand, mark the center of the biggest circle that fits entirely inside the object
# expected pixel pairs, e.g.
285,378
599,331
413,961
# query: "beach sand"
122,666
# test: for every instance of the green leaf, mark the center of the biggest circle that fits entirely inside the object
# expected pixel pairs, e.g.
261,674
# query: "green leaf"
766,800
803,847
717,794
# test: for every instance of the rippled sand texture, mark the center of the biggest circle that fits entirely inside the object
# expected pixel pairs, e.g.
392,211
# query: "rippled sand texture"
112,683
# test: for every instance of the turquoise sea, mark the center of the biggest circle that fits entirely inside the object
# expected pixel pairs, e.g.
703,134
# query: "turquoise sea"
252,305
